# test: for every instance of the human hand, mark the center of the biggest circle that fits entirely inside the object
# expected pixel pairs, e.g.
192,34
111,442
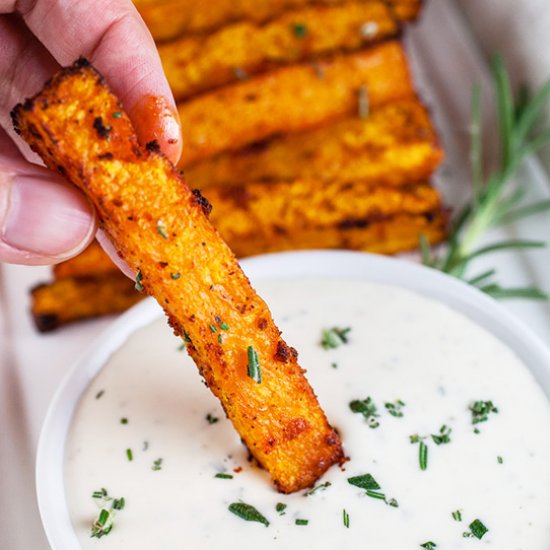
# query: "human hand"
43,219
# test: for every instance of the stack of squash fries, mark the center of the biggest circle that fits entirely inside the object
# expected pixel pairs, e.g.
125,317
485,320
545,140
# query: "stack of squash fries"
302,127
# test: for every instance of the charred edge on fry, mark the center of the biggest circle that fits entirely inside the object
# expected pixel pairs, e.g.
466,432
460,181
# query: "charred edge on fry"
202,201
153,146
104,132
285,352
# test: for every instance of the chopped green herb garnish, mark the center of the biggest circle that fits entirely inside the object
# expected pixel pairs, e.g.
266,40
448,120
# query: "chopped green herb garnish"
345,517
376,494
247,512
224,326
161,229
139,279
157,465
368,409
117,114
476,431
211,419
320,487
181,347
423,455
480,411
99,394
129,455
220,339
254,370
213,328
363,102
186,338
372,488
395,408
119,503
299,30
365,481
301,521
224,476
457,515
393,503
334,365
334,337
477,530
280,507
175,276
443,437
500,460
429,545
103,524
124,421
102,493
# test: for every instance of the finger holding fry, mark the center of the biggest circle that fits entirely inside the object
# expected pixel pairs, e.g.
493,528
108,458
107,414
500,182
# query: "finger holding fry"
42,221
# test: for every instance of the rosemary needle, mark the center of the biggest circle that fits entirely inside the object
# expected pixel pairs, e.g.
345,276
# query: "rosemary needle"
494,200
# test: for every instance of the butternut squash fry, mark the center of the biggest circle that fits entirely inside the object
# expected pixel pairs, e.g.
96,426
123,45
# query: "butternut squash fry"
398,233
160,227
292,99
73,299
168,19
199,63
395,145
258,218
406,10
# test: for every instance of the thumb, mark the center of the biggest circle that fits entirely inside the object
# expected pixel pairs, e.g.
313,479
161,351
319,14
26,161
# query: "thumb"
43,220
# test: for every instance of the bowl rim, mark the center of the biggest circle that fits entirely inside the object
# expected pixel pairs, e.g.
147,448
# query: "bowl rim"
325,264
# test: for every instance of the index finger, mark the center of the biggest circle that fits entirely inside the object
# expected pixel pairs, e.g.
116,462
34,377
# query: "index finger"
112,36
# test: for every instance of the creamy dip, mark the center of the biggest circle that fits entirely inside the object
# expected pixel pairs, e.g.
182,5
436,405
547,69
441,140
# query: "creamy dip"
149,431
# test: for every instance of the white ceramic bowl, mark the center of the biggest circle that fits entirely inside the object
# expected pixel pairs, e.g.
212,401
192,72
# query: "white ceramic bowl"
323,264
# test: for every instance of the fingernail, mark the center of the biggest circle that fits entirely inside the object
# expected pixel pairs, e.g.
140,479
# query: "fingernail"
45,218
155,118
109,247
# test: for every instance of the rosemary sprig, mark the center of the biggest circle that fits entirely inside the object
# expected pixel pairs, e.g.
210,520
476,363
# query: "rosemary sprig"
494,200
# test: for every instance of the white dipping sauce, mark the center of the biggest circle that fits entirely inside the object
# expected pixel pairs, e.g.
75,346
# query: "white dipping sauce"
401,346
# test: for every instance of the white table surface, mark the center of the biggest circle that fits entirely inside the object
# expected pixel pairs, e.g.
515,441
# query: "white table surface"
446,61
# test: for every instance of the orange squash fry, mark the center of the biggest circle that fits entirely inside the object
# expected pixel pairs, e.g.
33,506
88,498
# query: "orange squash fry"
398,233
168,19
161,229
194,64
258,218
77,298
395,145
406,10
292,99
